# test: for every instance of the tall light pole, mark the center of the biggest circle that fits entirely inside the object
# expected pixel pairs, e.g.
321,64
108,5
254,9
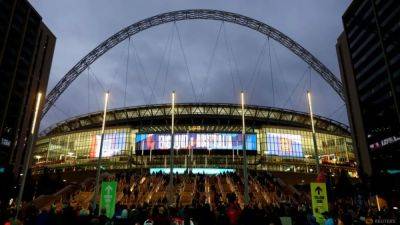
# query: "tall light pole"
313,130
245,175
96,190
29,153
171,152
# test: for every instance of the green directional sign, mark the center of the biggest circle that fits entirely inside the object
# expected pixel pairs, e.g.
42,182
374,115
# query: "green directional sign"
108,197
319,200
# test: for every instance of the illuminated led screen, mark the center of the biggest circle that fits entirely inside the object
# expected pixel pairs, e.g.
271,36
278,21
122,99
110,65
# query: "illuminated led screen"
113,144
210,171
284,145
212,141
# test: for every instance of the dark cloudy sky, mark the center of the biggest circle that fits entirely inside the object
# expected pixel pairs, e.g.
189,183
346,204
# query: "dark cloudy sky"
156,63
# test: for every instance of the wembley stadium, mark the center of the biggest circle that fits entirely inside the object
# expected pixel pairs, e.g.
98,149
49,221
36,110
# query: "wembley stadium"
207,139
207,136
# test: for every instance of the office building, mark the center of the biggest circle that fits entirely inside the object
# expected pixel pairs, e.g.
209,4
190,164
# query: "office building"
26,52
369,58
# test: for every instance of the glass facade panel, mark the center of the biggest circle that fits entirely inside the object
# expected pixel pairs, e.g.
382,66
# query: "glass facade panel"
297,143
278,148
82,146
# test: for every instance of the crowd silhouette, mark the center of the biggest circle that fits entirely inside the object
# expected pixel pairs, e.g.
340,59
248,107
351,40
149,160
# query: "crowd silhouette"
203,200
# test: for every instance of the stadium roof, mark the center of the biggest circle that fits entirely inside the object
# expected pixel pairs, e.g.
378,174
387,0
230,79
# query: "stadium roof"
195,114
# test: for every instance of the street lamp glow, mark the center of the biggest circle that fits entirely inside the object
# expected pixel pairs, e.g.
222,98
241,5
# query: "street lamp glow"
311,111
173,112
377,202
105,111
242,101
39,97
313,130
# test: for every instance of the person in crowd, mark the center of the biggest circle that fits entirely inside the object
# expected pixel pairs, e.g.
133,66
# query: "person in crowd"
328,218
233,211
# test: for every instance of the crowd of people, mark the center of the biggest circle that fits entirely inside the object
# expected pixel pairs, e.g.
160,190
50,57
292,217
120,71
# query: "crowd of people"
223,210
202,214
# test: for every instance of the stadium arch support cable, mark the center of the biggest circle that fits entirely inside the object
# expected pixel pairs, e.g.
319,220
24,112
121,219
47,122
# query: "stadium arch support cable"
191,14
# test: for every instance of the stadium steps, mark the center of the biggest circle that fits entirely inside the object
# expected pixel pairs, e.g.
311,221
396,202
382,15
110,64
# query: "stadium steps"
154,195
82,198
259,192
221,189
134,187
187,192
225,186
143,187
218,190
207,192
69,191
153,189
234,189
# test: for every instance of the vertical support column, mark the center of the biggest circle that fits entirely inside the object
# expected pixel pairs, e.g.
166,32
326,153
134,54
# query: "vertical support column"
189,152
28,154
313,131
96,190
171,155
245,175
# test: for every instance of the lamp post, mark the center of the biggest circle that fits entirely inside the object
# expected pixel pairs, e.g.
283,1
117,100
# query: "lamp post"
171,153
29,153
96,191
245,175
313,130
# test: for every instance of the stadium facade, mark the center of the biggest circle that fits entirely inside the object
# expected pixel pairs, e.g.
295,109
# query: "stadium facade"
206,136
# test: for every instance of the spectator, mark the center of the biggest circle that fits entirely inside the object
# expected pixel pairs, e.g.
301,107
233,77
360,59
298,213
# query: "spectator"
328,218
